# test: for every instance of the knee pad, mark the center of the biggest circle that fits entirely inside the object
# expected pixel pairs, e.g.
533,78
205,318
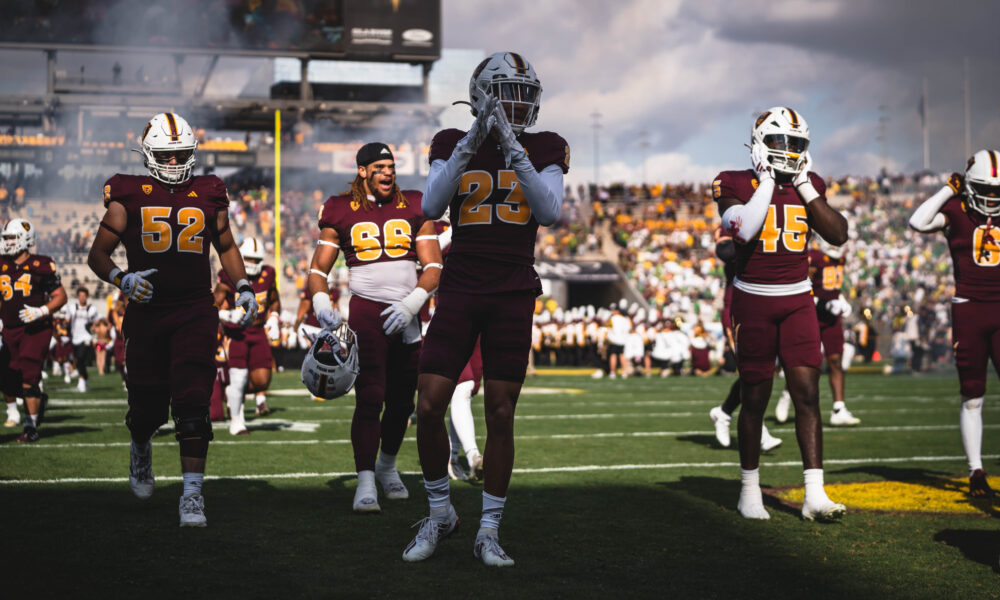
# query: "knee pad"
34,391
194,424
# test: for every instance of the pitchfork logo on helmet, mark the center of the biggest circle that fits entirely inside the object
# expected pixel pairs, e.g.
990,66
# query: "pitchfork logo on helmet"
167,144
512,80
18,235
982,182
253,256
331,364
786,135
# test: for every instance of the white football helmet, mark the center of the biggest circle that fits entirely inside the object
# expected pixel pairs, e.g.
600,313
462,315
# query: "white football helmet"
982,182
512,80
253,256
168,136
18,235
330,373
786,135
834,252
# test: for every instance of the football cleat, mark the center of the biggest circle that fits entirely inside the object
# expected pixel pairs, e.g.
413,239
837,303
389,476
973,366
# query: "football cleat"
722,420
430,533
784,404
751,503
843,418
488,550
140,471
13,417
979,487
29,436
476,469
81,385
767,441
455,470
192,511
366,499
392,485
262,410
826,512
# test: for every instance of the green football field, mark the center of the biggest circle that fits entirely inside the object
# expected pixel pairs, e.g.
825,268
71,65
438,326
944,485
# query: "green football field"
620,490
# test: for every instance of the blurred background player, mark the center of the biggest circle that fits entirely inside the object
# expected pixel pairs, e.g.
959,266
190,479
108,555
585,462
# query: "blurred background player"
383,233
81,315
249,358
499,183
770,211
31,291
167,221
964,210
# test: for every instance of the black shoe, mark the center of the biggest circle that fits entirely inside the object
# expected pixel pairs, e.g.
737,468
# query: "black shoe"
41,407
29,436
978,486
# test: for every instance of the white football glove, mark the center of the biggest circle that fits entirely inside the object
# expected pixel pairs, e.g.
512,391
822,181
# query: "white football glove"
833,307
329,318
399,315
505,134
761,166
30,314
272,328
845,307
136,286
231,317
482,125
803,185
247,301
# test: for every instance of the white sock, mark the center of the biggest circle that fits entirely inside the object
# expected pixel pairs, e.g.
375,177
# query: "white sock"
12,411
751,503
970,422
33,419
461,416
839,406
234,394
192,483
385,462
438,496
261,398
815,492
492,511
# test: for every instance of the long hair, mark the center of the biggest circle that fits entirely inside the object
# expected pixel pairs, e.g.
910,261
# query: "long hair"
359,195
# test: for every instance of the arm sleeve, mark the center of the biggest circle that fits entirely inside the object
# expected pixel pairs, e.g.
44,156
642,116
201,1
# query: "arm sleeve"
442,183
928,218
744,221
543,190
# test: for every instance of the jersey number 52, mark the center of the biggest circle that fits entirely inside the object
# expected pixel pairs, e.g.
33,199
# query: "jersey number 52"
158,234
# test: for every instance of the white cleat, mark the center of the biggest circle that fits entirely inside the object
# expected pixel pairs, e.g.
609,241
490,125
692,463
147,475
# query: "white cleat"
13,417
81,386
238,426
843,418
488,550
721,420
767,441
392,485
598,374
476,470
366,499
783,406
455,470
824,512
140,472
431,532
192,510
751,504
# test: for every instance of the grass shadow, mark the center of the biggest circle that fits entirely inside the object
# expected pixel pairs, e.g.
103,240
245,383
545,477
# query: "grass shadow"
977,545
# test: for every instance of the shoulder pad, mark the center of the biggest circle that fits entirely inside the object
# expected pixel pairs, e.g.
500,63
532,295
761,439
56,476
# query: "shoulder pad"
121,187
734,184
547,148
444,143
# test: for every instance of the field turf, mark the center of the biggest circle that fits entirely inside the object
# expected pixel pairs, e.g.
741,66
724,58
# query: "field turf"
620,490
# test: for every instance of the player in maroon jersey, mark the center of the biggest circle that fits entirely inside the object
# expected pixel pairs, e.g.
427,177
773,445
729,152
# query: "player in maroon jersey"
964,210
250,359
770,212
500,183
167,221
382,233
31,292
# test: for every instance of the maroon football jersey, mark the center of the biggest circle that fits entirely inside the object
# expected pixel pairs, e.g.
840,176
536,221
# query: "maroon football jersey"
26,284
493,245
975,251
171,230
262,285
778,255
386,232
828,278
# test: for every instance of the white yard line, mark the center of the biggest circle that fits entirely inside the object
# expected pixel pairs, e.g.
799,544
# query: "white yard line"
576,469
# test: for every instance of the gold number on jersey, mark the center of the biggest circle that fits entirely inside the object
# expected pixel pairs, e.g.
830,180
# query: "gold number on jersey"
986,246
397,233
514,208
833,277
23,285
478,185
796,228
189,239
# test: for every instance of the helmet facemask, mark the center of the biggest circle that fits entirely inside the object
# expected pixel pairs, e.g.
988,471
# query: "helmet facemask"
168,146
785,134
18,235
512,80
786,153
982,182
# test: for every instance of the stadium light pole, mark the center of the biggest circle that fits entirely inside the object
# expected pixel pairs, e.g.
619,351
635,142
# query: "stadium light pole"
597,160
883,136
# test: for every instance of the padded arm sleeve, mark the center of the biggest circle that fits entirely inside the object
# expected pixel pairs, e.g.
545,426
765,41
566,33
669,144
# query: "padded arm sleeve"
744,221
543,190
442,181
928,218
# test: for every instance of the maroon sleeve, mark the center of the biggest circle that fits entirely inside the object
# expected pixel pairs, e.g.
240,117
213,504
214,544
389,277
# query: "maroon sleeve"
548,148
819,183
414,198
225,280
444,143
114,189
217,191
733,184
952,208
329,214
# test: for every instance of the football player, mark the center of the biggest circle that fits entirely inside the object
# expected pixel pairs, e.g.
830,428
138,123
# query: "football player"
383,233
964,210
31,291
167,221
770,212
250,347
499,183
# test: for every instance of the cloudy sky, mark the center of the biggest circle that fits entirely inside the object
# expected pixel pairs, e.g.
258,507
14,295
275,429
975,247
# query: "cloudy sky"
689,76
693,73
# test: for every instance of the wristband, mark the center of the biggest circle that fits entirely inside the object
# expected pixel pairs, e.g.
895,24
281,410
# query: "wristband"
807,191
321,301
243,286
115,276
45,310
